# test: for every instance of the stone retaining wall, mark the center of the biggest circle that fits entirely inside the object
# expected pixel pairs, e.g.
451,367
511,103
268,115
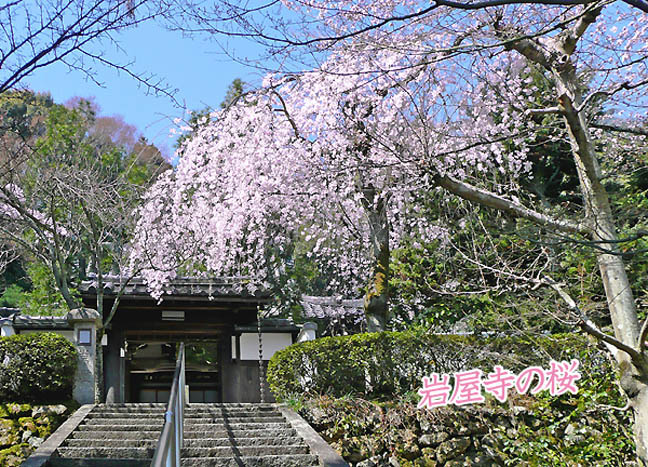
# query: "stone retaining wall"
397,434
24,427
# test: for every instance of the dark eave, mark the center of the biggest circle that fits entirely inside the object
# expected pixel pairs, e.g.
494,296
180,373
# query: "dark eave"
270,325
229,290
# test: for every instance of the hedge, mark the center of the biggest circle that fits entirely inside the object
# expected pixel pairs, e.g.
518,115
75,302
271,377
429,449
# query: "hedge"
381,365
36,367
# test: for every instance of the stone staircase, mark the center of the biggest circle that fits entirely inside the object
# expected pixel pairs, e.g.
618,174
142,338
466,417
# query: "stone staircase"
215,435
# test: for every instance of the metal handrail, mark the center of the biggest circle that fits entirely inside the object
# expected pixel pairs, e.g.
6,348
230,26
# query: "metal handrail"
167,452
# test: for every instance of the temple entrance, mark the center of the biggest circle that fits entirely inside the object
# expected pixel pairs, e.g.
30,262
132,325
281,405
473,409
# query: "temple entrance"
150,363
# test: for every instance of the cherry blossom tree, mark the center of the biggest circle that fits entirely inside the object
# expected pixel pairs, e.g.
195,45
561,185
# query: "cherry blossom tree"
257,177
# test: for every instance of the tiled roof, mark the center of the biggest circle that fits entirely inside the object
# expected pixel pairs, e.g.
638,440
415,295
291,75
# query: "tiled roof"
326,307
186,287
40,322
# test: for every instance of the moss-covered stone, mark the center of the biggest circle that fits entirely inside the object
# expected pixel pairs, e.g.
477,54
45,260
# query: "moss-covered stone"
14,410
14,455
44,431
354,450
474,435
8,433
452,448
27,423
44,420
49,410
23,428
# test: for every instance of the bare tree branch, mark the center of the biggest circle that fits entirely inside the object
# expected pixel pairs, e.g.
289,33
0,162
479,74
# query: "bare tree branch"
643,336
487,198
589,326
620,127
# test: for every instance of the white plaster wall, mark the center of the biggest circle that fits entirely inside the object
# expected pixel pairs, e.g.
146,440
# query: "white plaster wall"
272,342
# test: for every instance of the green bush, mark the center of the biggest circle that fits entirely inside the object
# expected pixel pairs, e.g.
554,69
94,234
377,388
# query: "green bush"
36,367
381,365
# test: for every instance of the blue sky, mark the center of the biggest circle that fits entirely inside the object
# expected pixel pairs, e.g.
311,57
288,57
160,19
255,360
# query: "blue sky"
198,69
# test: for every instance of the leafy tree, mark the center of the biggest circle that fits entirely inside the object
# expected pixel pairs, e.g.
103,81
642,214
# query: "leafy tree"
42,298
234,91
202,117
11,296
68,205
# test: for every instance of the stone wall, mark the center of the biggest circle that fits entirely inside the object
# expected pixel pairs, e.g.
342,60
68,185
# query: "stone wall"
524,431
24,427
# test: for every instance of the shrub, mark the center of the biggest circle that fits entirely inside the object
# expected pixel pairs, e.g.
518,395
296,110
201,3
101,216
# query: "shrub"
381,365
36,367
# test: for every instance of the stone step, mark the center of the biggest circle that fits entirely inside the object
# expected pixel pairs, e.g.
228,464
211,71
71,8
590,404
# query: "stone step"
110,443
189,418
228,405
189,408
235,426
108,453
154,422
134,405
115,428
189,415
232,420
195,431
115,408
233,451
189,443
159,421
96,462
202,406
147,453
136,433
244,442
110,434
139,416
296,460
240,434
233,413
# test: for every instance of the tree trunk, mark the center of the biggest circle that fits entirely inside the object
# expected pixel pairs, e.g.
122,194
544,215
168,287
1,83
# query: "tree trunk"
618,290
599,215
62,285
376,303
640,407
101,329
98,375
